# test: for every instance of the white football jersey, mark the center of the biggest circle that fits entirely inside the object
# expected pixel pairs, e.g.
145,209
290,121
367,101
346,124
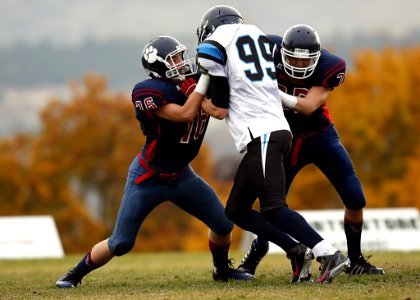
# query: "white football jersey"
244,54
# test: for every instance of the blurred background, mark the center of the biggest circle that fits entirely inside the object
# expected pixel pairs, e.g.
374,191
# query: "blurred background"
68,131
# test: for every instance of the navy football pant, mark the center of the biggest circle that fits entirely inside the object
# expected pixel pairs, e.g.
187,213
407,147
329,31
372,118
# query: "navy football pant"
326,151
189,192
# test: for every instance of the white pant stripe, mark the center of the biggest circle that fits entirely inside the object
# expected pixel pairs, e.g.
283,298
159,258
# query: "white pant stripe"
264,144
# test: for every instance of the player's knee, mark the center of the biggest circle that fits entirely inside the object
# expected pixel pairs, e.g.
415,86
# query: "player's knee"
230,213
223,227
237,216
122,248
356,203
352,193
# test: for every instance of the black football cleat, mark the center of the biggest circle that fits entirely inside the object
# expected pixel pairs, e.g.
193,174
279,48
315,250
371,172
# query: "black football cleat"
361,266
70,280
227,271
253,257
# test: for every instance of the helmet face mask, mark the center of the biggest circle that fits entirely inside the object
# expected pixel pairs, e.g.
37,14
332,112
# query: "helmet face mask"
165,57
300,52
216,16
299,64
179,64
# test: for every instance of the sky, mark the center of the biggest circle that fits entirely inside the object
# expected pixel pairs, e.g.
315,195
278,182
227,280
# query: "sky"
71,22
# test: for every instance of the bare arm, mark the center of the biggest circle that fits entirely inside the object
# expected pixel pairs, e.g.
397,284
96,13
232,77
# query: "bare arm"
316,96
181,113
214,111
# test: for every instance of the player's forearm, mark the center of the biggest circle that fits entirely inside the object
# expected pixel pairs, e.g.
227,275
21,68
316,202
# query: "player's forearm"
214,111
190,108
305,105
315,97
181,113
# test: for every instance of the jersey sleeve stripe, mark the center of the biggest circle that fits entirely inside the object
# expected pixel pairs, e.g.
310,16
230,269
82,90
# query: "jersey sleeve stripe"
341,66
213,51
210,57
338,67
147,92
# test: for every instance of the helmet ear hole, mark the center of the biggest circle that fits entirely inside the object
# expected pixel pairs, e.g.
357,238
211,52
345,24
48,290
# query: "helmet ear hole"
216,16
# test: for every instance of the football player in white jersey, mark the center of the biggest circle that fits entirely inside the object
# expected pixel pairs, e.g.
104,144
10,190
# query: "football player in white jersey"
243,90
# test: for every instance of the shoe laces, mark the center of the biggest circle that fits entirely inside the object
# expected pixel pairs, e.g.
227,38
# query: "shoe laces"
364,260
322,262
254,253
231,262
73,274
247,255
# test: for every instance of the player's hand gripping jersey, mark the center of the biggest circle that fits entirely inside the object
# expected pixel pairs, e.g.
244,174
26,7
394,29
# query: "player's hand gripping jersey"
329,72
170,146
254,104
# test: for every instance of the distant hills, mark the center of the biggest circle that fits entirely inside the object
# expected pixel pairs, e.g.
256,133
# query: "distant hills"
44,64
31,74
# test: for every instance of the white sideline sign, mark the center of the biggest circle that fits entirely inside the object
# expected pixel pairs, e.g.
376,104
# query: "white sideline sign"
384,229
29,237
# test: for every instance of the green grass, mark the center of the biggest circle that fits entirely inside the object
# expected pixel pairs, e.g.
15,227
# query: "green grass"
188,276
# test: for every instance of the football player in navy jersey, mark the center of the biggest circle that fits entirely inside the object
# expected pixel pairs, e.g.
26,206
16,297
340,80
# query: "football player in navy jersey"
168,108
306,74
239,60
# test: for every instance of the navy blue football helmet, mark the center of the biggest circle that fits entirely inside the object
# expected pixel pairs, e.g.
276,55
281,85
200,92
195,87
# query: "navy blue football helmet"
216,16
300,42
165,57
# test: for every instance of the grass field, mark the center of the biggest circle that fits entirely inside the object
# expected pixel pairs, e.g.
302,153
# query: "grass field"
188,276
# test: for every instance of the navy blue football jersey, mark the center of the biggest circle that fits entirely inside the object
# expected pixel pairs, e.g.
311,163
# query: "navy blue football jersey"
170,146
329,72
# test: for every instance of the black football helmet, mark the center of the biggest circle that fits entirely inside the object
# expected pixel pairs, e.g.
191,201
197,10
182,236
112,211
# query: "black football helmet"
216,16
159,59
300,42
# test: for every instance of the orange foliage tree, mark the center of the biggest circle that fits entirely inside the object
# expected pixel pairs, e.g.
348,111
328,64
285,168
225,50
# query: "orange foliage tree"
75,169
82,154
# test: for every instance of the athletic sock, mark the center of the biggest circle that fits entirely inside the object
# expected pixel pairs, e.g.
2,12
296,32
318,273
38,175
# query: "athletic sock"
353,232
219,253
86,265
323,248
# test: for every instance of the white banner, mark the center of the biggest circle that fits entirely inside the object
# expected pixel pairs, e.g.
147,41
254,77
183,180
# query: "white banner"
384,229
29,237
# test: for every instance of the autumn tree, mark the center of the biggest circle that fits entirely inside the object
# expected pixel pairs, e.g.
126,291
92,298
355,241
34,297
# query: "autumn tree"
14,170
75,168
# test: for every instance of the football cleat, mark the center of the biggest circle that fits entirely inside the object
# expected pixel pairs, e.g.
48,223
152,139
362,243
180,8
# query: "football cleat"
301,259
331,266
253,257
70,280
360,266
224,273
